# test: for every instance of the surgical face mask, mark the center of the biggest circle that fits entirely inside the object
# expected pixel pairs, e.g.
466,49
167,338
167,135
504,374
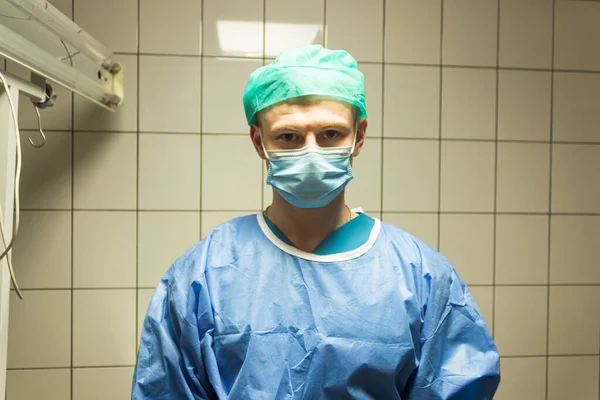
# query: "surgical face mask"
310,177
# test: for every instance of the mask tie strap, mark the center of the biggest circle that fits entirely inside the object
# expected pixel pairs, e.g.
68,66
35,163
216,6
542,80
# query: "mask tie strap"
262,143
354,142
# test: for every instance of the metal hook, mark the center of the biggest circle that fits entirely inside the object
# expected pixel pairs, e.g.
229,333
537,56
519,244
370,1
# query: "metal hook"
37,111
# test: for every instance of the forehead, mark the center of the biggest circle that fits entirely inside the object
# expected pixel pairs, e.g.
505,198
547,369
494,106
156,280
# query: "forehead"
307,112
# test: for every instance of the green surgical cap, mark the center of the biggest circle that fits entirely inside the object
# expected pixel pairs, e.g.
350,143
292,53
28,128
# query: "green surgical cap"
305,71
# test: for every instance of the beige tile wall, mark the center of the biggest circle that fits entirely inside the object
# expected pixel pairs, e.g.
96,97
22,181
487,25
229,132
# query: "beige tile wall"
484,142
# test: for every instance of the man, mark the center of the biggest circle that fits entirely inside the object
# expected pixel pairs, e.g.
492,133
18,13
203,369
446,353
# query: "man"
311,300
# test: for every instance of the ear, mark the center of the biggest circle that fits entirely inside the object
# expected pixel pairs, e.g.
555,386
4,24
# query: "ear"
361,134
257,141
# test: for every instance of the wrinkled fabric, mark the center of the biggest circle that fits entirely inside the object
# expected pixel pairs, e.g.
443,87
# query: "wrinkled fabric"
305,71
238,318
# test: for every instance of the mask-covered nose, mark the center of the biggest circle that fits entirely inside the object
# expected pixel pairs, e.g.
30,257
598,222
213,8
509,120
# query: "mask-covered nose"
310,177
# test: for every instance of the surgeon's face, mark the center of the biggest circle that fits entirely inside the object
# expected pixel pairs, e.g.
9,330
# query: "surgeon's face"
304,122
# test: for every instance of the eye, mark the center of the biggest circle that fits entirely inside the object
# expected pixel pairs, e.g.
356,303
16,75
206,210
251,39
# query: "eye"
331,134
287,137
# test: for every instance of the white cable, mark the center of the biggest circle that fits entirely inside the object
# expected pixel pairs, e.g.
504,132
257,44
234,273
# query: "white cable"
17,180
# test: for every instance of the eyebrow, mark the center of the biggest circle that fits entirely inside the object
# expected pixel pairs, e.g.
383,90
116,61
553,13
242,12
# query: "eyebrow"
281,128
295,128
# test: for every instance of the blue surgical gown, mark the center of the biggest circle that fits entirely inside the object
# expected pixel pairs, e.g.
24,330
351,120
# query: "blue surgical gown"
245,315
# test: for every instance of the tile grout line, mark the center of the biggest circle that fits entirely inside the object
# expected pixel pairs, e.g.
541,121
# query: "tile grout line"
137,186
520,356
495,216
439,138
202,34
264,59
481,285
382,148
552,355
408,64
324,23
398,138
549,262
407,138
424,212
64,368
71,378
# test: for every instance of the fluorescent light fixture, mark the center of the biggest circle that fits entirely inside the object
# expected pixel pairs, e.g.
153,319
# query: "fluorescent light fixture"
107,91
239,37
55,21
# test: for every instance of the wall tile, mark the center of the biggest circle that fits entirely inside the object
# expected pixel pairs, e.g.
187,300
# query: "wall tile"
573,377
523,177
467,240
55,384
522,379
39,330
230,167
412,101
574,320
105,175
575,251
467,93
373,91
46,171
104,327
467,176
163,238
347,28
521,320
365,189
576,113
410,175
64,6
470,32
413,31
49,266
292,24
422,226
524,105
102,383
158,20
521,249
93,15
169,172
91,117
575,171
233,28
170,94
223,83
104,253
576,30
526,34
